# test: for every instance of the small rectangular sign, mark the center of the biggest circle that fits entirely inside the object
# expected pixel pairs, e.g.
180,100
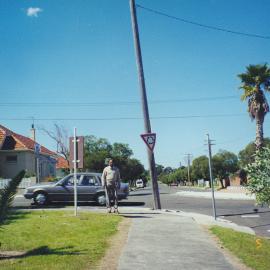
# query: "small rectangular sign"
79,152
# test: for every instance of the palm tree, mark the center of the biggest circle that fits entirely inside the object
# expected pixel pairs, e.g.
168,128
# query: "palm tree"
255,82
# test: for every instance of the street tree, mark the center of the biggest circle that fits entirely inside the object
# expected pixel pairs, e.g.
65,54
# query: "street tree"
121,150
159,169
60,135
224,163
98,150
200,168
255,82
247,155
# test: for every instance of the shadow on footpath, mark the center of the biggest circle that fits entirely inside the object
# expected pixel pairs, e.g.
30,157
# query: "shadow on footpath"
59,205
259,226
247,213
133,216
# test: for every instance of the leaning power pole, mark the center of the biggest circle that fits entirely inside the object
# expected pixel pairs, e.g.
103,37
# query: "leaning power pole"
188,162
147,125
209,143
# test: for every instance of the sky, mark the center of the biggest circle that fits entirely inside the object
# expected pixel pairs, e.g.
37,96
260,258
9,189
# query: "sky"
69,52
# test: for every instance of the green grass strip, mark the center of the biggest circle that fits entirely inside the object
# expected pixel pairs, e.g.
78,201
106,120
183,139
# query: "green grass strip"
254,251
56,239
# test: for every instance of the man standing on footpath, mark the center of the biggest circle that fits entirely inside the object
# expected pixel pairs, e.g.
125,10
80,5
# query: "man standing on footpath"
111,182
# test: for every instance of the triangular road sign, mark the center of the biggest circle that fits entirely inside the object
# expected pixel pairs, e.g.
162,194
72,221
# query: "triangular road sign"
150,140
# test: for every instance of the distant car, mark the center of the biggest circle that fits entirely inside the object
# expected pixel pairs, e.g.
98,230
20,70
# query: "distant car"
139,183
89,188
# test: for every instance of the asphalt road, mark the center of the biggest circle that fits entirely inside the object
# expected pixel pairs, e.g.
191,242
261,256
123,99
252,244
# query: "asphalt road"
238,211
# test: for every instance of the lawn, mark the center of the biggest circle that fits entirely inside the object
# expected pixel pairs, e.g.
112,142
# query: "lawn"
254,251
55,240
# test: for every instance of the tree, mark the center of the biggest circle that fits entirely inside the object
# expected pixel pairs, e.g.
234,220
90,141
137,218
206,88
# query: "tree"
224,164
259,176
175,176
131,170
60,136
200,168
247,155
255,81
159,169
97,150
121,150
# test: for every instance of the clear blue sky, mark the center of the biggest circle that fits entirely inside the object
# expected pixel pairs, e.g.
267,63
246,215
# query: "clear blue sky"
82,51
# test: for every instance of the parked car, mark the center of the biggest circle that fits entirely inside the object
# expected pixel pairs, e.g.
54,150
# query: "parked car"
89,188
139,183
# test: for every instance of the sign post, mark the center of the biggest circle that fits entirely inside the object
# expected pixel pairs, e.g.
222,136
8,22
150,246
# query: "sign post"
76,157
147,124
37,152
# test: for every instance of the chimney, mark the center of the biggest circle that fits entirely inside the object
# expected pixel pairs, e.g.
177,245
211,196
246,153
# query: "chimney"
33,133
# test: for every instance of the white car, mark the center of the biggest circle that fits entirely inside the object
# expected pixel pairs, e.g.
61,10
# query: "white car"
139,183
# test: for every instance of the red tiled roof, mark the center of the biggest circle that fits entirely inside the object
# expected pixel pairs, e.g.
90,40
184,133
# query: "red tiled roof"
61,163
14,141
2,137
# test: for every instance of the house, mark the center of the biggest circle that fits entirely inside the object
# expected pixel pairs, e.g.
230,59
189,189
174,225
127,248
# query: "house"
62,167
17,153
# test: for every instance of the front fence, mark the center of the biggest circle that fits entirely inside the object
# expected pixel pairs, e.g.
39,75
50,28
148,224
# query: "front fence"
25,183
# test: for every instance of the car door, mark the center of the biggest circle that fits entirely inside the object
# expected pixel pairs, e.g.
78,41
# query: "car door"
87,187
64,192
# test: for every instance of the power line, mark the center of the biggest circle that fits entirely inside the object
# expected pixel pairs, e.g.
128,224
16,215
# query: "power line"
216,28
86,104
124,118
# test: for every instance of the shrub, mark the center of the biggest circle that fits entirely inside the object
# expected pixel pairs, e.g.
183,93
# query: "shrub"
259,176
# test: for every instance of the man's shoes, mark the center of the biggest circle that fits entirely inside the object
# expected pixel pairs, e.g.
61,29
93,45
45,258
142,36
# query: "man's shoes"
116,210
109,210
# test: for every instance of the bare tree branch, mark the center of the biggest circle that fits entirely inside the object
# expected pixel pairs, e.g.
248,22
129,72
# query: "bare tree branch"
60,136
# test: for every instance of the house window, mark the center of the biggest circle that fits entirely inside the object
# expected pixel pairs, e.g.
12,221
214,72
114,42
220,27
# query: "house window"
11,159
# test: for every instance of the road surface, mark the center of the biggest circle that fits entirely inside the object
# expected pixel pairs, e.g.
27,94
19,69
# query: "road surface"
240,212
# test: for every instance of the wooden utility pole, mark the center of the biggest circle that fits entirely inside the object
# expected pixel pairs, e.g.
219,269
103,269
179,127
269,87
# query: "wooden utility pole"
209,143
188,162
147,125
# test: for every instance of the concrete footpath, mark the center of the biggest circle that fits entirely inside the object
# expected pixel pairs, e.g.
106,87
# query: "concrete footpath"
159,240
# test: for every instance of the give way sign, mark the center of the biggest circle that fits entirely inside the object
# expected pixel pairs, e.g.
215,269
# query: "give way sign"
150,140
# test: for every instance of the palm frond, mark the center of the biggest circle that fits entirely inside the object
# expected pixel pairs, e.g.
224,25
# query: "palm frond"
7,195
249,91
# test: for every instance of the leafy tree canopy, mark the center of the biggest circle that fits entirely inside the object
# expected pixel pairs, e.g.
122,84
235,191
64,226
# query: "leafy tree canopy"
259,176
200,168
97,150
224,164
247,155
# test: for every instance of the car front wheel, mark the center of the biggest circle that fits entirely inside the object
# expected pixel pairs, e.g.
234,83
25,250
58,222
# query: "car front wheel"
101,199
40,198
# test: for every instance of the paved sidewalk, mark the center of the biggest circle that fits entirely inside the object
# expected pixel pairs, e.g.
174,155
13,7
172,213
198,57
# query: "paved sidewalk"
159,241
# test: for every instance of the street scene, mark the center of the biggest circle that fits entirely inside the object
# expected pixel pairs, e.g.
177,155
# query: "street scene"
134,135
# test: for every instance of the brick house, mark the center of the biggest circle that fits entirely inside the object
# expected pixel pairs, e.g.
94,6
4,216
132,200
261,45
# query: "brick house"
17,153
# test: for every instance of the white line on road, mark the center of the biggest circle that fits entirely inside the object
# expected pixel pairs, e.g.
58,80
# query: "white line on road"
250,216
19,196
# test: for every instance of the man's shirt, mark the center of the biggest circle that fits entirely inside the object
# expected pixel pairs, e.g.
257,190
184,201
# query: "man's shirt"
110,175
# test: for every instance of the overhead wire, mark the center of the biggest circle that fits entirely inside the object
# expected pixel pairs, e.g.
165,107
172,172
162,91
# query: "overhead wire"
216,28
116,103
123,118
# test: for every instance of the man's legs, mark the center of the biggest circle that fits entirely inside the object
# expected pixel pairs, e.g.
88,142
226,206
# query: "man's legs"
115,200
108,198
